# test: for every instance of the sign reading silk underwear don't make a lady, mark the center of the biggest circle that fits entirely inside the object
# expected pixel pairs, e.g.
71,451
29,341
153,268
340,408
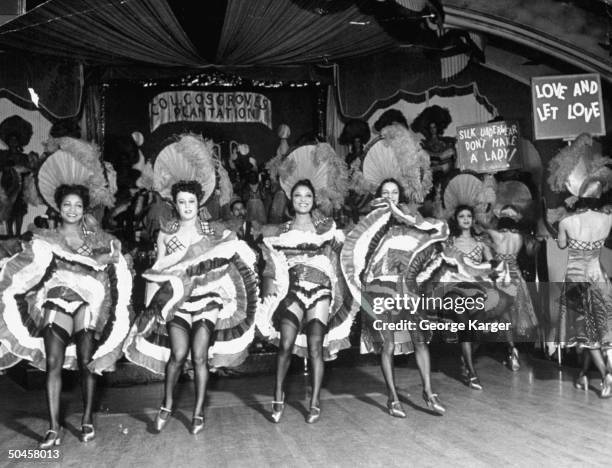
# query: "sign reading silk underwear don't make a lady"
208,106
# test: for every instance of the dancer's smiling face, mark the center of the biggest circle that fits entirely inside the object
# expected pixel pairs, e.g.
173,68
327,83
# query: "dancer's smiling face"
465,219
186,205
302,199
71,209
390,191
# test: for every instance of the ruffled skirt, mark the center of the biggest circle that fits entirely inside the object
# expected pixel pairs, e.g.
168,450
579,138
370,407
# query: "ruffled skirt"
221,281
307,283
46,279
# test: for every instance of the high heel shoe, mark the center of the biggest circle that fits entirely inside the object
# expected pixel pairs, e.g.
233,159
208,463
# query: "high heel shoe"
473,382
581,382
162,418
606,386
395,409
88,432
433,403
513,360
52,438
314,415
278,413
197,424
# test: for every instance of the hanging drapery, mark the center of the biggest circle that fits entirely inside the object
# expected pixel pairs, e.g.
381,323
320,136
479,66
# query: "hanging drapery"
279,32
334,124
103,31
57,83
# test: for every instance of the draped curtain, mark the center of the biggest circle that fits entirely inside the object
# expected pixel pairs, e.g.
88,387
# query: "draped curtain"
279,32
108,31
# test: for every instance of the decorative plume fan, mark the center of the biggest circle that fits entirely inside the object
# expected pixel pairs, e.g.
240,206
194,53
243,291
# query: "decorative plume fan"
189,158
326,171
467,189
60,168
463,189
380,163
516,193
399,155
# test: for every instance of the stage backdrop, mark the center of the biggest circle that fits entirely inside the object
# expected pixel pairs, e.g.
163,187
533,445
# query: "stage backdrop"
245,115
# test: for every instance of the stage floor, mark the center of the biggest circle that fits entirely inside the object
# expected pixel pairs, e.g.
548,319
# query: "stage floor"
534,416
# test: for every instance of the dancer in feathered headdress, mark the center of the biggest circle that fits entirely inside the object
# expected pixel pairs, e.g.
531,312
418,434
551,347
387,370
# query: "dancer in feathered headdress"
202,290
306,309
463,271
586,297
64,300
384,253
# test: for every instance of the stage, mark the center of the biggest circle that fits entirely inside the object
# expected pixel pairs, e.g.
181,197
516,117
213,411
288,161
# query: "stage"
532,417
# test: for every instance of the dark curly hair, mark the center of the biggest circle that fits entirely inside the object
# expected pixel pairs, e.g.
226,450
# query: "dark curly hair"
432,114
402,196
302,183
189,186
389,117
64,190
453,225
66,128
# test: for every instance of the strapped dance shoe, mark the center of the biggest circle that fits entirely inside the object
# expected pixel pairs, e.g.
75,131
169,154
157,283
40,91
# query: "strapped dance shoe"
88,433
162,418
513,360
434,403
395,409
197,424
581,382
606,386
277,413
473,382
314,415
52,438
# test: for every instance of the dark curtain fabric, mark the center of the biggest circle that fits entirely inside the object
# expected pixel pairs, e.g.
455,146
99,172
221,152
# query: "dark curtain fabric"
277,32
296,73
93,114
107,31
58,83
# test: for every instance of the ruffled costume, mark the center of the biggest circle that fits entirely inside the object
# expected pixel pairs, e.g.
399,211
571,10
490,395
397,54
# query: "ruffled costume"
453,274
306,269
381,259
586,298
216,273
50,276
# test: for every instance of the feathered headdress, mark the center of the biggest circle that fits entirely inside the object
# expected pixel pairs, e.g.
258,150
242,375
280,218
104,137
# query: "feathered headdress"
397,154
580,170
467,189
189,158
326,171
75,162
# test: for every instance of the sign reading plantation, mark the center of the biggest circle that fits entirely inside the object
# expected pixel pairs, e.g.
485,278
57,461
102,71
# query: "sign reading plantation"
566,106
209,106
488,148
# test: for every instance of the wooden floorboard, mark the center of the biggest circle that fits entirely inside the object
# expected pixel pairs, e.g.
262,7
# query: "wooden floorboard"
530,418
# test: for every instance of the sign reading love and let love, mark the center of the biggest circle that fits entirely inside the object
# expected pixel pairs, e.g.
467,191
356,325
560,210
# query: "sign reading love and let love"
488,148
208,106
567,105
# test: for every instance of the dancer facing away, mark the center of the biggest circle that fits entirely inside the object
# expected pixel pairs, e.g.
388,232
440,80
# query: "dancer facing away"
586,301
507,242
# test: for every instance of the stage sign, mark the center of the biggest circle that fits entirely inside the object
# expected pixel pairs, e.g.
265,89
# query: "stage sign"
488,148
208,106
567,105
